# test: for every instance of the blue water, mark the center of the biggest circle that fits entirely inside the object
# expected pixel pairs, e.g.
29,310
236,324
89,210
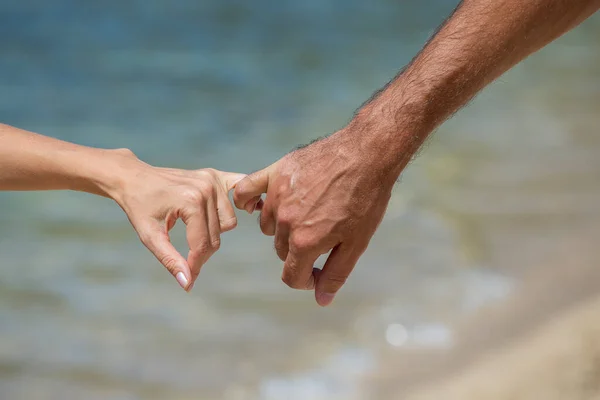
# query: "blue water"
86,312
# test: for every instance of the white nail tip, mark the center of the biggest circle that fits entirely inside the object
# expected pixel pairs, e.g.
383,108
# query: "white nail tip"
183,282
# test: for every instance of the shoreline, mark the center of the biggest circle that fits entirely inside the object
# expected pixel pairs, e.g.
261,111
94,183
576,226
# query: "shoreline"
559,360
508,350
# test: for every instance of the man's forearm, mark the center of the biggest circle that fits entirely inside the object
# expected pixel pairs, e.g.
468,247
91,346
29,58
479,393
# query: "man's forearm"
477,44
29,161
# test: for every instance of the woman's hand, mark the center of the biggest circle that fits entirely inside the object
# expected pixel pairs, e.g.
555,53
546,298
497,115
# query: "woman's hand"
155,198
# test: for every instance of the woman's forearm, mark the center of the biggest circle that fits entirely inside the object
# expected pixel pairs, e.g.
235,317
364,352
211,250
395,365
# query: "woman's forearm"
29,161
153,198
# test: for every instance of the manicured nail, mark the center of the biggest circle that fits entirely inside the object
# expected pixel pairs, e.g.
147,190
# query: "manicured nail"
183,282
325,299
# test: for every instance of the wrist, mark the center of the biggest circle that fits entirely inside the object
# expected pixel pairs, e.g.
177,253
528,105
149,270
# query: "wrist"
390,131
106,172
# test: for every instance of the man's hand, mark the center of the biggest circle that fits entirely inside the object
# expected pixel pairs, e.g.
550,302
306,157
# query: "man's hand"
328,196
155,198
331,195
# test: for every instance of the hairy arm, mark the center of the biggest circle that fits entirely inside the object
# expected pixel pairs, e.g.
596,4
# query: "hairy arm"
331,195
29,161
480,41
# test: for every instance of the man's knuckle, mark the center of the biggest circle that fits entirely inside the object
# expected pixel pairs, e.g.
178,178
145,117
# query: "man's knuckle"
285,217
281,245
303,242
202,247
265,229
282,251
335,280
293,275
296,280
291,279
267,224
229,224
215,243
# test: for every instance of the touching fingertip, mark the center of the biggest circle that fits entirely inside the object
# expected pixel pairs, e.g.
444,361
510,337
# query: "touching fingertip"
250,206
259,205
238,179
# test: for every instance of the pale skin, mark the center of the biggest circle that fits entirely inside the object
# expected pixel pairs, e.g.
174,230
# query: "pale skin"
153,198
331,196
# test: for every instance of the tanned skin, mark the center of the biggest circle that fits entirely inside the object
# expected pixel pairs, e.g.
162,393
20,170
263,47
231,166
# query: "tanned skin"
332,194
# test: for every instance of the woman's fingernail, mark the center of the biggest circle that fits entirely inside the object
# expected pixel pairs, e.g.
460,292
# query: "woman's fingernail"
182,280
325,299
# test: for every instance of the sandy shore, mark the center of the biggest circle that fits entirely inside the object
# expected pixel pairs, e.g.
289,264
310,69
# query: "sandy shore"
558,361
542,343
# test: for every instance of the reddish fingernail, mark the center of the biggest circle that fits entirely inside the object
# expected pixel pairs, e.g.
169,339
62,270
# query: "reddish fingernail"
324,299
182,280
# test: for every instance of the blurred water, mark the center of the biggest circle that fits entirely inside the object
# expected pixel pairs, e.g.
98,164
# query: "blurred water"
87,313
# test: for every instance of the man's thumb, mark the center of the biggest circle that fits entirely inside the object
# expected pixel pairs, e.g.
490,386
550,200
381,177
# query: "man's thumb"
248,191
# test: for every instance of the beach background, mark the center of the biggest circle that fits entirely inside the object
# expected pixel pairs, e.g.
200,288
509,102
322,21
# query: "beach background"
483,281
